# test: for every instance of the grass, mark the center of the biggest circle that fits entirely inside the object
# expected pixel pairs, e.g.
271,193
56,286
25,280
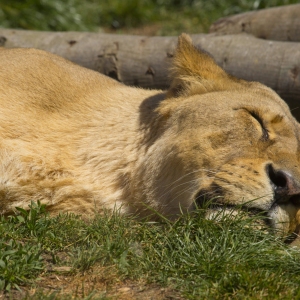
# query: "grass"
153,17
193,258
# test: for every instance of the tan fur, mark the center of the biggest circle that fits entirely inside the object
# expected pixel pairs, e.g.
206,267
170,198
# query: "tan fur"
79,141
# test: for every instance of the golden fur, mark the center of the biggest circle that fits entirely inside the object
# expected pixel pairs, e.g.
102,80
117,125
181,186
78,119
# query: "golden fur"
79,141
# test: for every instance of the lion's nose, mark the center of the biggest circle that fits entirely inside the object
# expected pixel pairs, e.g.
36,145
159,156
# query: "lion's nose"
283,183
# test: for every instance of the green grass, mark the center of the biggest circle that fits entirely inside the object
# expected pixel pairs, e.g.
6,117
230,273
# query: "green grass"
197,258
165,17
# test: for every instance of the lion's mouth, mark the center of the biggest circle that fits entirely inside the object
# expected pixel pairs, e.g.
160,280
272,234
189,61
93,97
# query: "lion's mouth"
215,203
203,201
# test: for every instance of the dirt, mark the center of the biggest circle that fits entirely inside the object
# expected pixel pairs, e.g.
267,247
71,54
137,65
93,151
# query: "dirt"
101,282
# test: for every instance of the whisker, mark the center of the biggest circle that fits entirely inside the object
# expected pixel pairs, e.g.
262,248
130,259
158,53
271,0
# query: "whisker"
208,193
190,173
170,190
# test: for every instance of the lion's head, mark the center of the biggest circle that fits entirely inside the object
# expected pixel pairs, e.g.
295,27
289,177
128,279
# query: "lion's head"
215,137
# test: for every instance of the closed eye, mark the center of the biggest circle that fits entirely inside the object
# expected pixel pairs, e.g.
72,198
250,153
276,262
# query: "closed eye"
265,133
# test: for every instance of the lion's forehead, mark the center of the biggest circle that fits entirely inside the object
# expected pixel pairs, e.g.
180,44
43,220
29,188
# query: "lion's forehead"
230,112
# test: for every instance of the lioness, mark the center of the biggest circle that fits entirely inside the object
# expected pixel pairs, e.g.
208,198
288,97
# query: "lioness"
79,141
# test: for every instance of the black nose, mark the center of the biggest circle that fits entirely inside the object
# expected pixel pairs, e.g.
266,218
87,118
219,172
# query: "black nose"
284,185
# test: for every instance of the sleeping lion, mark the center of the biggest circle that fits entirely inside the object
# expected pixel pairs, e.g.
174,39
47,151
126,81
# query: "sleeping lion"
82,142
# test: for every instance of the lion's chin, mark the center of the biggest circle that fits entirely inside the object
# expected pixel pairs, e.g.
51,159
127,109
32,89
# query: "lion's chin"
283,219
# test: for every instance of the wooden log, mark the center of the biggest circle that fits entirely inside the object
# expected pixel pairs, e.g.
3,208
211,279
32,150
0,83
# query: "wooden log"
144,61
278,23
134,60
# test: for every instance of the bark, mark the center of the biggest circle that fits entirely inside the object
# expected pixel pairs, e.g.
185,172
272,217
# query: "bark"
144,61
279,23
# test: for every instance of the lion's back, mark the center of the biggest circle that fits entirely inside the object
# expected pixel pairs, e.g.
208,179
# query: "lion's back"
44,82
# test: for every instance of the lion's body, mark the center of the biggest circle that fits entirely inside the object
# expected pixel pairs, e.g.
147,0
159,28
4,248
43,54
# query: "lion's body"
55,117
79,141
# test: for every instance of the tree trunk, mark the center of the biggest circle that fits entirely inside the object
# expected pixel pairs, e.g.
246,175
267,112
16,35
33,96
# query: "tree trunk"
144,61
279,23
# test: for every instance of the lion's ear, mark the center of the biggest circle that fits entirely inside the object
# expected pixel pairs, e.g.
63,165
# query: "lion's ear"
195,71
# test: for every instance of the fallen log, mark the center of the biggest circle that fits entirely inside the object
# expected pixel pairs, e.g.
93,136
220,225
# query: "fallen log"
278,23
144,61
